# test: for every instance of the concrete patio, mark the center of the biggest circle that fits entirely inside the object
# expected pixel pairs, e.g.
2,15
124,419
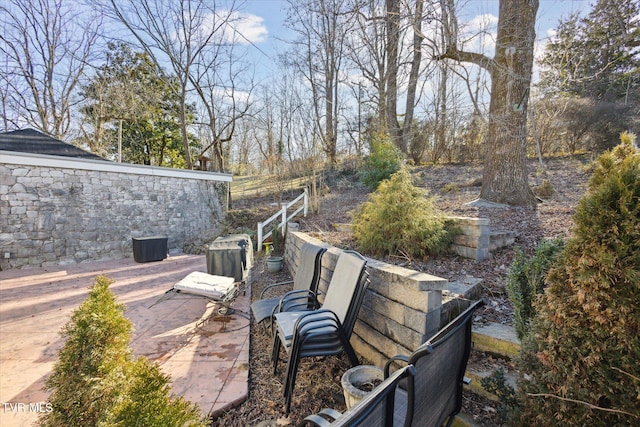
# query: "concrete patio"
208,363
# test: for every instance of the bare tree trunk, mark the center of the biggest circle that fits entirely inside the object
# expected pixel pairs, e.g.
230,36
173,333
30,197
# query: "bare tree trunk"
440,125
393,39
183,129
329,118
413,75
505,167
505,177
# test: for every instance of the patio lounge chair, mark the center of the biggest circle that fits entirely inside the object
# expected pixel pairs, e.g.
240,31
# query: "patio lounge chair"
305,283
374,410
435,397
326,331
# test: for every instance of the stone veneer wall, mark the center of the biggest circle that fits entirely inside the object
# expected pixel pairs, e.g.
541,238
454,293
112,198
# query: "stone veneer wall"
400,310
55,210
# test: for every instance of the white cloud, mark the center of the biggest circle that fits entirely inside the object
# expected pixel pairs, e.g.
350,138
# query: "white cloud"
483,22
250,28
479,34
232,28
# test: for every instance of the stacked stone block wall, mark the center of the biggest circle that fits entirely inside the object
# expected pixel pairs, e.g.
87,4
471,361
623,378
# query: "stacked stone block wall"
57,215
400,310
474,241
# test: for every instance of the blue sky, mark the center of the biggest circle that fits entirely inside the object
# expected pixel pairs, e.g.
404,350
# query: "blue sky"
268,16
265,23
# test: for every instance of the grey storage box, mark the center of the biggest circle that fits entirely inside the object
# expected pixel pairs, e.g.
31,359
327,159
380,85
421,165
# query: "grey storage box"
230,256
150,248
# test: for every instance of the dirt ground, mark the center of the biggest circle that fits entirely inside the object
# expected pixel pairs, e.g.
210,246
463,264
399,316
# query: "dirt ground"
318,380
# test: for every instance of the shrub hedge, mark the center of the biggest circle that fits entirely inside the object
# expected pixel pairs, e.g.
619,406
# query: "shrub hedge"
580,361
384,160
526,280
400,219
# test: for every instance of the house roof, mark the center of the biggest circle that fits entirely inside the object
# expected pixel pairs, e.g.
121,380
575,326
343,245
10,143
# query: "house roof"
32,141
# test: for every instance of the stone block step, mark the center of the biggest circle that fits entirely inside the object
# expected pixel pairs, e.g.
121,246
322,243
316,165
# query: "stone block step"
496,339
476,374
458,296
501,239
468,288
464,420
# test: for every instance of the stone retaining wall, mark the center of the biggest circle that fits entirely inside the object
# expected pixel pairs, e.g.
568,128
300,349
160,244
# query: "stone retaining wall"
401,308
55,211
474,241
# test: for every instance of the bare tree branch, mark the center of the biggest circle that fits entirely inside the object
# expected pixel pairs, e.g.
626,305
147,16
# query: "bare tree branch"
587,404
46,46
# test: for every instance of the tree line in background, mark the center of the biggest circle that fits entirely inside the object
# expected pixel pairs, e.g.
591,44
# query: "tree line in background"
171,83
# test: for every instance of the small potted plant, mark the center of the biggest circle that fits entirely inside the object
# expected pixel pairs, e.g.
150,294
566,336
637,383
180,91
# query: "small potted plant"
359,381
274,260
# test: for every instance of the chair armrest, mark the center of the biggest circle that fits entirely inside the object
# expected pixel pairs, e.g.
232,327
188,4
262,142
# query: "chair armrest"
316,323
396,358
273,285
330,412
300,300
318,420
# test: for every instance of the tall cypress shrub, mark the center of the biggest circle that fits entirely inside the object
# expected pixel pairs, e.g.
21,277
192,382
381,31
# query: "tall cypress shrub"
89,376
581,361
97,382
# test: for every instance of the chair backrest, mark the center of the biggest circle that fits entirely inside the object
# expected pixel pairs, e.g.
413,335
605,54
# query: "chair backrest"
376,409
440,366
346,288
308,273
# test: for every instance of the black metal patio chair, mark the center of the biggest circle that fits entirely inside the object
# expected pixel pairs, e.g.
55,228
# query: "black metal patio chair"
374,410
305,285
327,330
435,397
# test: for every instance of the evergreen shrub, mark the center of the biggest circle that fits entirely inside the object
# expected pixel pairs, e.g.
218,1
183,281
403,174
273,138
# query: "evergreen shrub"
451,187
400,219
526,280
544,190
579,363
384,160
149,401
497,384
97,382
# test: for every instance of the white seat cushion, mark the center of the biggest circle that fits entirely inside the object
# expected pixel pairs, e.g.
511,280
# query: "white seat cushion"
208,285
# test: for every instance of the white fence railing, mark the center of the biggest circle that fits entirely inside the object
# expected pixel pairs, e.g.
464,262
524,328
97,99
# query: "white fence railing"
283,217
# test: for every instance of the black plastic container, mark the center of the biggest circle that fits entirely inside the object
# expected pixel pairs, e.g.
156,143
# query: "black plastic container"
150,248
230,256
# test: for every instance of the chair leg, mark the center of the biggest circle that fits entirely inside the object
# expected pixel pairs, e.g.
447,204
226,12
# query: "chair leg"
353,358
290,380
275,353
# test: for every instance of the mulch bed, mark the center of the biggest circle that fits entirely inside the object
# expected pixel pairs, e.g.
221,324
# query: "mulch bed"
317,384
318,381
